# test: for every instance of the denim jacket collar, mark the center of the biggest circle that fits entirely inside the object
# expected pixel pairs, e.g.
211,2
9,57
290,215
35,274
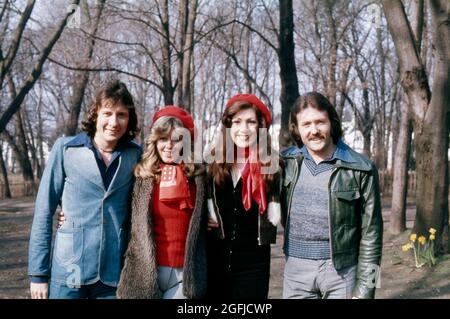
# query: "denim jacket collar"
93,173
82,139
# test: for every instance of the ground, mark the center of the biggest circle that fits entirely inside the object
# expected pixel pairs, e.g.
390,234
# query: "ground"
399,277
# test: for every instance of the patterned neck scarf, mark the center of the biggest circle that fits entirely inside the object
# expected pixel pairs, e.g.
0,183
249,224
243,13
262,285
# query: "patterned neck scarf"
174,186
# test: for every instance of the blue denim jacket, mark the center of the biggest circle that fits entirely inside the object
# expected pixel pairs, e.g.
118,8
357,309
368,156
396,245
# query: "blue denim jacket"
91,243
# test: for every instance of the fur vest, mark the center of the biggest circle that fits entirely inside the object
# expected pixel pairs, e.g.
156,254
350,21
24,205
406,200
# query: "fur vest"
139,274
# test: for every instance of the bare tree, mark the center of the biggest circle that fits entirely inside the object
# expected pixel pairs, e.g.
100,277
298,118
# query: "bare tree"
430,113
403,148
7,61
82,77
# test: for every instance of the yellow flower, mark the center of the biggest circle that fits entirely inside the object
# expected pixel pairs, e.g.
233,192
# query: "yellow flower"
406,247
432,237
432,231
422,240
413,237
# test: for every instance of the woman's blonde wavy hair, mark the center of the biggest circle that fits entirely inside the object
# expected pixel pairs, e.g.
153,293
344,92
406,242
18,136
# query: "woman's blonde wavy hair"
149,166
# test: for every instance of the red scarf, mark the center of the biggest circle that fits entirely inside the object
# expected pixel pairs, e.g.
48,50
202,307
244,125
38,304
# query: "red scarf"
174,186
253,186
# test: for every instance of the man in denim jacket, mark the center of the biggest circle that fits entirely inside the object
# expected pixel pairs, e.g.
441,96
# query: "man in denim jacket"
90,176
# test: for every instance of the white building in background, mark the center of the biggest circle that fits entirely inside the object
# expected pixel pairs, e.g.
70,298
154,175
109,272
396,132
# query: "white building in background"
353,137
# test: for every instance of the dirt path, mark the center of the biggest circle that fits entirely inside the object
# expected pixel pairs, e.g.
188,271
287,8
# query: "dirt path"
399,278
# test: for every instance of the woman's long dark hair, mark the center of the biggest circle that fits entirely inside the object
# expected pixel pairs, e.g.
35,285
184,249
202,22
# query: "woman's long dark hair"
221,171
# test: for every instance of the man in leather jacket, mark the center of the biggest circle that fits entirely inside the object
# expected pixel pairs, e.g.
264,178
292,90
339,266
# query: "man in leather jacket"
330,202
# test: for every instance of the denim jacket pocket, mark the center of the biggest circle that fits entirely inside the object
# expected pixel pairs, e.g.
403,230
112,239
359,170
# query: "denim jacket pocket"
68,246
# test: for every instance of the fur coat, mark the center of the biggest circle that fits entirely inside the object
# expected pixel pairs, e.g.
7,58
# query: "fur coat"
139,274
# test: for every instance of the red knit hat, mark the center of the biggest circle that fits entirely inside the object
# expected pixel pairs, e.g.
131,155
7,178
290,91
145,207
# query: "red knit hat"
179,113
252,99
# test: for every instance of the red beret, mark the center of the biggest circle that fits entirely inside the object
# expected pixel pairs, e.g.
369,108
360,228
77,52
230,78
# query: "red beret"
252,99
179,113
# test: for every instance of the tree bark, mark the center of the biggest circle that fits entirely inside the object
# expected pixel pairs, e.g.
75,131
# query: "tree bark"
331,88
19,142
400,174
288,73
4,173
188,54
183,11
380,153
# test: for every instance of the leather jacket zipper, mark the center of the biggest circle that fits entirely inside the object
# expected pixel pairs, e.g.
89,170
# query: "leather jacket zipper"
329,214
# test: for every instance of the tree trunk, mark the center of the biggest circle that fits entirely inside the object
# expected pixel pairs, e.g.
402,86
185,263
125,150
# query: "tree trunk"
367,123
432,141
82,77
403,149
188,54
19,142
380,153
30,141
400,174
366,142
246,48
183,11
331,88
168,89
39,138
288,73
4,174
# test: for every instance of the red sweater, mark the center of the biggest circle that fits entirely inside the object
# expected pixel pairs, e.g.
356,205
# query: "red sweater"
171,226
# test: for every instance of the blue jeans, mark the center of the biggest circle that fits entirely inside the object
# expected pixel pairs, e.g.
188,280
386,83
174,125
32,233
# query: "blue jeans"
170,282
95,291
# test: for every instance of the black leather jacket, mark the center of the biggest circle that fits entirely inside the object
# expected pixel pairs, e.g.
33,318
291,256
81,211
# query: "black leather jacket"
356,224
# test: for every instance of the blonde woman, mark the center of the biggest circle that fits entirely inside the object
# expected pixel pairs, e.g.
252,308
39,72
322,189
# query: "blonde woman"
166,255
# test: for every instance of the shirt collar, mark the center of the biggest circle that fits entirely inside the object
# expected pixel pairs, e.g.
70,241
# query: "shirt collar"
341,153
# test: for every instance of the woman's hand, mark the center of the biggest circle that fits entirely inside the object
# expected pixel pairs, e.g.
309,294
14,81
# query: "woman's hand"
212,224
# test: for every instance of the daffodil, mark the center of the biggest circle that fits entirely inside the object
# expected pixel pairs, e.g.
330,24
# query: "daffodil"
406,247
422,240
423,250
